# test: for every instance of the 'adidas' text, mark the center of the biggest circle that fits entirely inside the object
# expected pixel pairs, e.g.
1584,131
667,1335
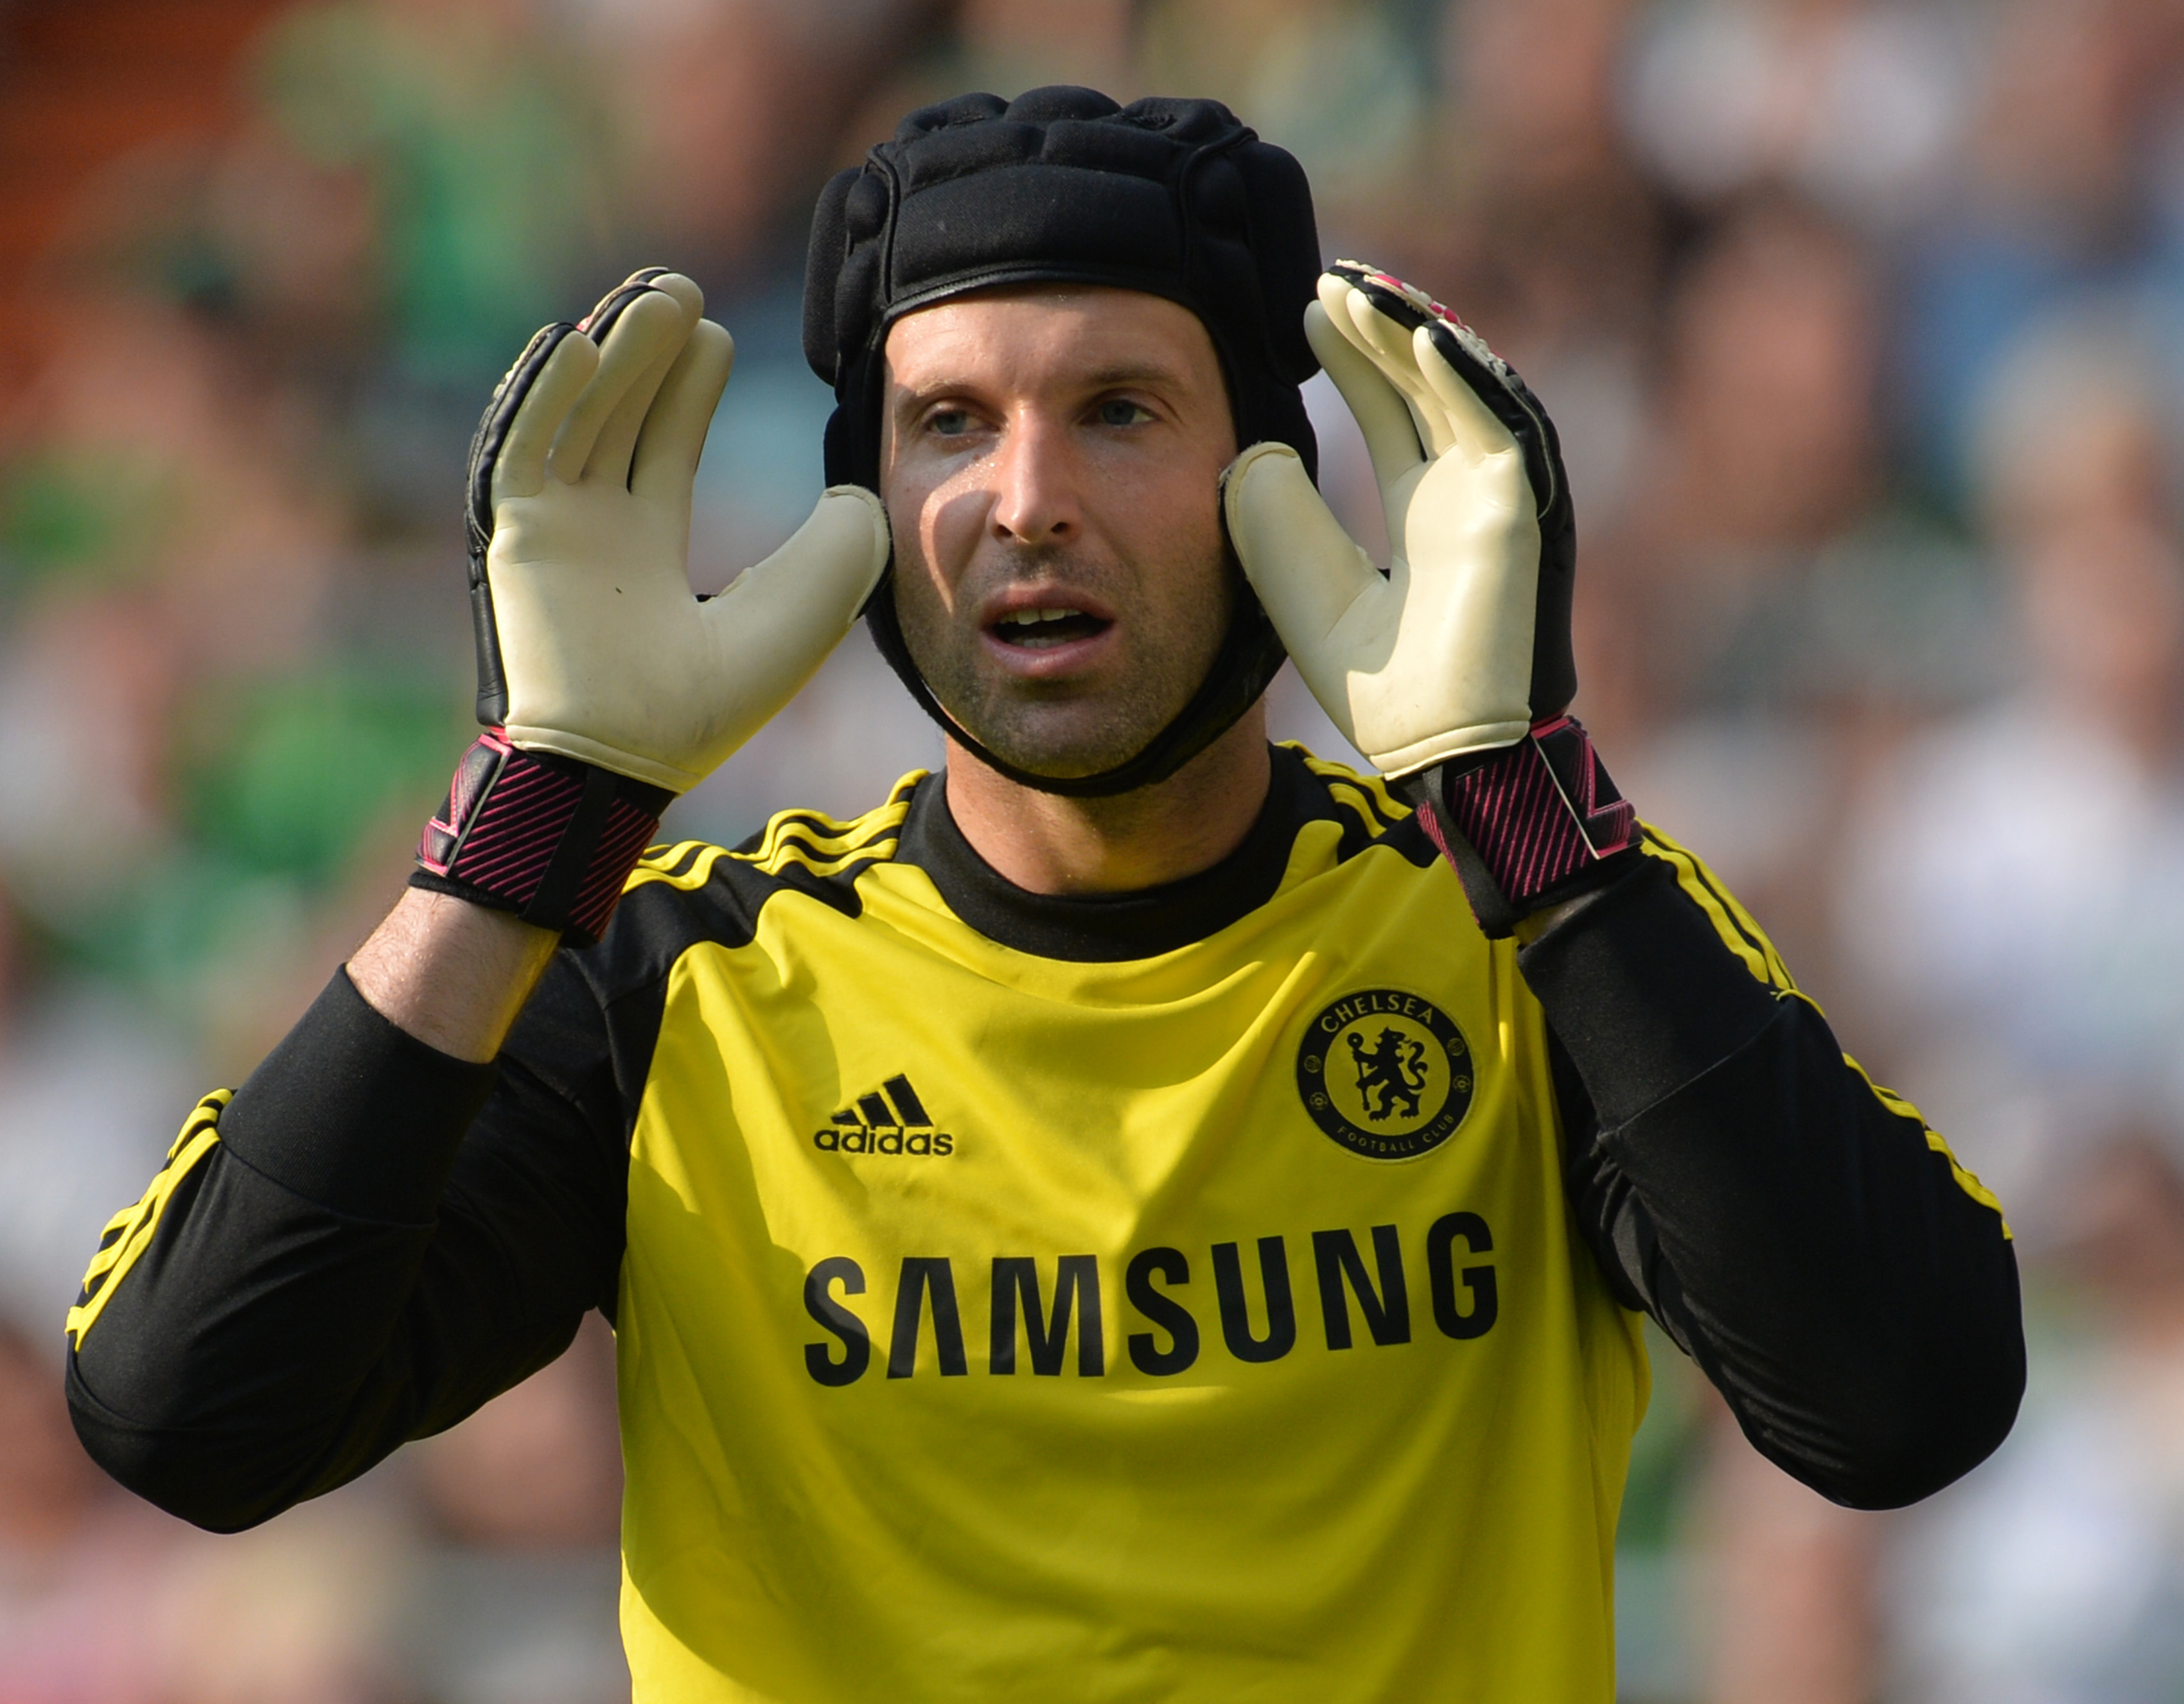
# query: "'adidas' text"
891,1120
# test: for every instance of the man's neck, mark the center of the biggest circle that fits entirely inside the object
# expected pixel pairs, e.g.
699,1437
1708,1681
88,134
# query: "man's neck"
1177,827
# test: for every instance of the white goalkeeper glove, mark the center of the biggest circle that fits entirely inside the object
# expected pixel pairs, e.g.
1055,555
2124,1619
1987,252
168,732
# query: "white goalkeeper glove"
1453,670
591,644
605,685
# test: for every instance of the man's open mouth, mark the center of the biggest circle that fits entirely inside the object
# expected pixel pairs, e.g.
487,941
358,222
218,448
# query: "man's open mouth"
1038,630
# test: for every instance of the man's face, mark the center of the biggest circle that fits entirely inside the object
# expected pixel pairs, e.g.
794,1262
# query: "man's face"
1050,459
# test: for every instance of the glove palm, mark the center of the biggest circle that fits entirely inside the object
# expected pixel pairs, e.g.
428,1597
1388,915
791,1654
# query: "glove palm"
1464,643
591,644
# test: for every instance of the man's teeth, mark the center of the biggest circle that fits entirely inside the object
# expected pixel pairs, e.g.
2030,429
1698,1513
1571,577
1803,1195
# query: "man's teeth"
1035,629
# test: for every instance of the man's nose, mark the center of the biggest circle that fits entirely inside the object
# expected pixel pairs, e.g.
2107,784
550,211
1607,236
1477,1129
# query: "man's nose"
1036,495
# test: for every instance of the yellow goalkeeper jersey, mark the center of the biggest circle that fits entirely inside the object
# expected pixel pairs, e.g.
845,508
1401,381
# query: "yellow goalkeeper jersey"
1058,1300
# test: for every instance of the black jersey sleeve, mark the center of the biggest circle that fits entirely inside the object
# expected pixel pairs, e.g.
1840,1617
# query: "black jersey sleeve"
1848,1288
368,1242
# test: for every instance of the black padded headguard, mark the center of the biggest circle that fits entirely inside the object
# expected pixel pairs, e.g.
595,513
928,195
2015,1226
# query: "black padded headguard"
1173,197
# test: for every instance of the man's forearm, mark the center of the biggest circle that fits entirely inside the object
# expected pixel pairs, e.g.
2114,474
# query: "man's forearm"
347,1254
1850,1291
243,1346
452,974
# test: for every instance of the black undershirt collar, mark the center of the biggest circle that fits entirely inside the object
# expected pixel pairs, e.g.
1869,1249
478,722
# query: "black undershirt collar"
1109,928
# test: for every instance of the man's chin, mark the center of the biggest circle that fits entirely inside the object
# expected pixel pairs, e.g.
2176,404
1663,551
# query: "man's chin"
1059,747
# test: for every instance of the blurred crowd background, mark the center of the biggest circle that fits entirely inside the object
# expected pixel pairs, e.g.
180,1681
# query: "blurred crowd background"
1864,323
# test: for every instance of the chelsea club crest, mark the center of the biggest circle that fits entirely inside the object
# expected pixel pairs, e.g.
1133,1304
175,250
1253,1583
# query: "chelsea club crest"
1385,1074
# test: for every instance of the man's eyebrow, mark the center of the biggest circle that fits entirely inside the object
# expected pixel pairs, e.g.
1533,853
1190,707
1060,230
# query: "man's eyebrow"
1132,373
1108,378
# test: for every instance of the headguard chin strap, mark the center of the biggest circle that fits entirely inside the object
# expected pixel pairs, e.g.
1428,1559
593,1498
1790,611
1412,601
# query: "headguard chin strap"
1174,198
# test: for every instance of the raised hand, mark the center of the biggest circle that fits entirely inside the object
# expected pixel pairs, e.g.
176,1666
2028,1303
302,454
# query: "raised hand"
590,641
1464,642
605,685
1453,670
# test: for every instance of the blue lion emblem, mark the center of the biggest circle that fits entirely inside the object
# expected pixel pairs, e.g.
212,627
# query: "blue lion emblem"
1393,1073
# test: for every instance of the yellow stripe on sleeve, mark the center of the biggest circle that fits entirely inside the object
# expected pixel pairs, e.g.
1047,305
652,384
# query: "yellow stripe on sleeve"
1368,796
800,841
1731,921
1352,799
792,854
807,839
130,1232
1967,1180
1745,937
689,865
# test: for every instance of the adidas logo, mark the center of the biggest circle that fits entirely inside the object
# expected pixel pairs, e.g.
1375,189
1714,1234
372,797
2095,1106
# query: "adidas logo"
891,1120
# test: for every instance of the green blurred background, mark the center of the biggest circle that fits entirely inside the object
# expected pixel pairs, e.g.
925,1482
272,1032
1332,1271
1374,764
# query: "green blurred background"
1863,322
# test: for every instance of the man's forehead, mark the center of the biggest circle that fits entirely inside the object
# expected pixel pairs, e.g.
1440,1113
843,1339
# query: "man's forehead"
1092,330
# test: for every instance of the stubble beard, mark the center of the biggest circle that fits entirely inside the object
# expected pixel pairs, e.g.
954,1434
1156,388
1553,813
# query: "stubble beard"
1062,730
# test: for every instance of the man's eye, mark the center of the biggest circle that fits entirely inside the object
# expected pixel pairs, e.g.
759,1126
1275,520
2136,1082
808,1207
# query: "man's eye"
948,422
1118,412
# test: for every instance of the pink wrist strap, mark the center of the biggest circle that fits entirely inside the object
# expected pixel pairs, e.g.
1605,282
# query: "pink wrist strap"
1533,817
544,836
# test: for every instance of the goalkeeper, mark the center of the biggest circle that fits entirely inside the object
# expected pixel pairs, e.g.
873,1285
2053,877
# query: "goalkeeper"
1142,1214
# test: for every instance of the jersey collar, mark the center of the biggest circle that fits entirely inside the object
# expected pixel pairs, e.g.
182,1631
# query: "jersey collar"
1105,928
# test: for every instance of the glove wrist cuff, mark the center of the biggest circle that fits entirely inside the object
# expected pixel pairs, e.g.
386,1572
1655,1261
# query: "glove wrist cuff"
544,836
1526,826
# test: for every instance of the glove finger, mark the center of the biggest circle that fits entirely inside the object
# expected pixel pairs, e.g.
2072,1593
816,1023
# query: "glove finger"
1391,439
684,289
1307,570
1490,381
674,435
610,460
1478,430
831,561
519,469
776,622
640,344
1387,345
608,308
